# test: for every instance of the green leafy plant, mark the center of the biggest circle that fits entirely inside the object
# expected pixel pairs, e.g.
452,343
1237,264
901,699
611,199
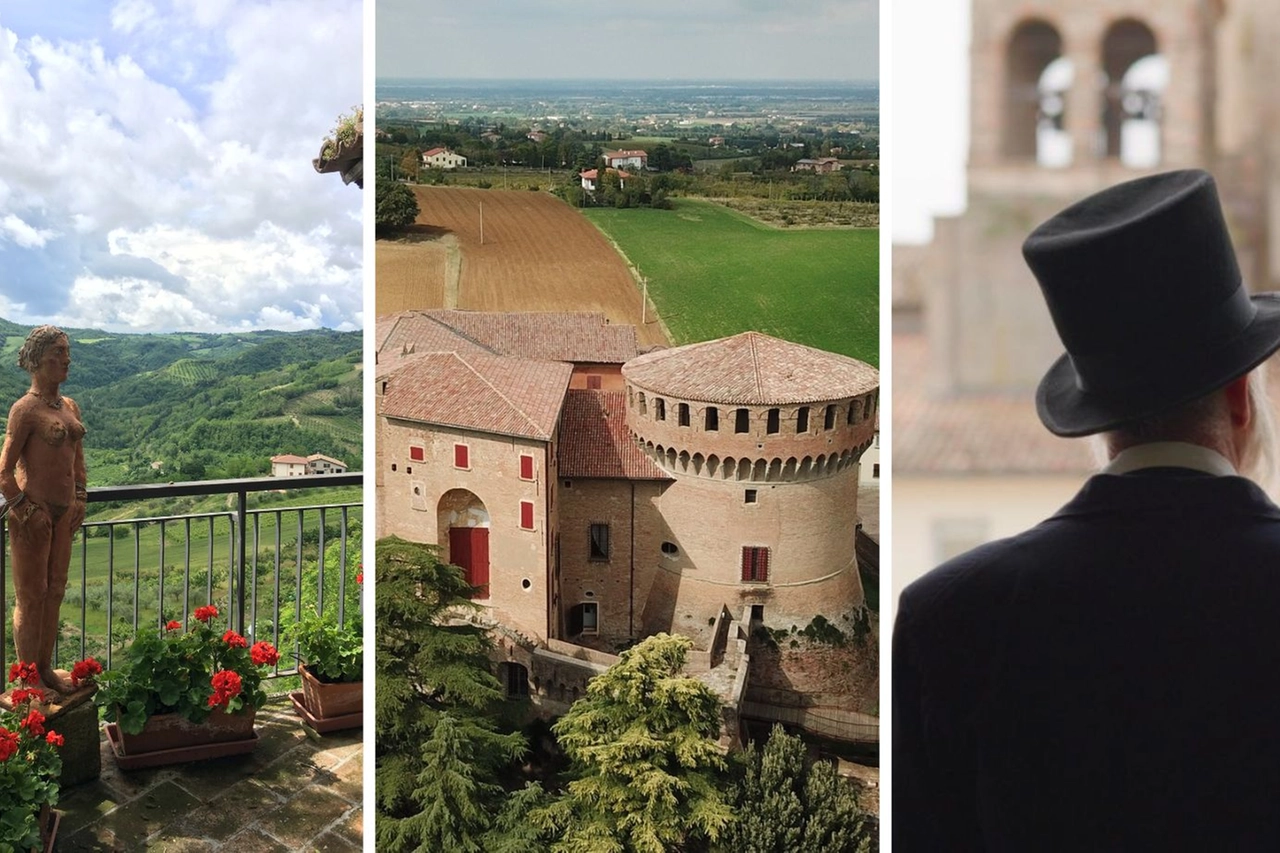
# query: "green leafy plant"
345,133
193,673
29,763
333,653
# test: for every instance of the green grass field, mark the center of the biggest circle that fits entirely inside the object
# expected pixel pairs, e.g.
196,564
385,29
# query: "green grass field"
714,272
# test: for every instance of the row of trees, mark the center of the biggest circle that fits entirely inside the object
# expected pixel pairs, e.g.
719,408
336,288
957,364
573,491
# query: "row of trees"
645,773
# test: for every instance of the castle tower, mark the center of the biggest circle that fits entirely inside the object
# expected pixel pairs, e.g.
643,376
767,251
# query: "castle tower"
761,440
1066,100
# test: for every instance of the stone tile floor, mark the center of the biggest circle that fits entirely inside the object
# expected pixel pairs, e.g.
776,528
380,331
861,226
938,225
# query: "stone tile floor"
291,793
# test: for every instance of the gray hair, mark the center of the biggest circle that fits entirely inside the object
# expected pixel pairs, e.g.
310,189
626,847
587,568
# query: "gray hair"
1199,419
32,352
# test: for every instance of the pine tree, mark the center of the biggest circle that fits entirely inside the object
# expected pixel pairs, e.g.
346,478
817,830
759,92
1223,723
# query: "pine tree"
785,803
431,667
643,741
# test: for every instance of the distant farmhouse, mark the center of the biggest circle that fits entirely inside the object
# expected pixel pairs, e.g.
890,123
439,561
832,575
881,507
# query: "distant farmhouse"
824,164
288,465
597,495
626,159
443,158
591,178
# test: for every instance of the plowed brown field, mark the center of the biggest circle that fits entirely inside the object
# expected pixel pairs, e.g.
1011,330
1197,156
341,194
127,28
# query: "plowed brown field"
539,254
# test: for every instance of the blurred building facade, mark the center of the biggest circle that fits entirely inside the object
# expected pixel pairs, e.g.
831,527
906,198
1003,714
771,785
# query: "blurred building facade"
1066,99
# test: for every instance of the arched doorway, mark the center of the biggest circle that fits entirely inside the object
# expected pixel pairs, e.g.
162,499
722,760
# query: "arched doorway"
463,523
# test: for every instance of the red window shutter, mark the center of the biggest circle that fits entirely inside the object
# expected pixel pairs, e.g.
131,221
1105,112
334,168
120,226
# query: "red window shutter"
762,565
416,453
746,563
526,515
593,382
461,456
526,467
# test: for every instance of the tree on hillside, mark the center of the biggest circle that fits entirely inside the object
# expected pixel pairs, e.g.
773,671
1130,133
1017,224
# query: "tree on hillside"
431,664
396,206
785,803
643,741
409,165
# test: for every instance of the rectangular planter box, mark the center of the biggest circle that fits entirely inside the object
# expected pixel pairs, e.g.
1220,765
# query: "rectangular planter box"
172,739
331,700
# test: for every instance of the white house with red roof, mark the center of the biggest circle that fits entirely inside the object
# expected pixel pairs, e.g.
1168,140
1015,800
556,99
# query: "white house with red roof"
629,159
591,177
443,158
290,465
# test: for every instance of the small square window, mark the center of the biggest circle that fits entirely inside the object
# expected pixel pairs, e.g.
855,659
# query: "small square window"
802,420
593,382
713,419
829,418
408,469
461,456
741,421
683,413
659,409
771,421
590,617
749,497
875,470
416,453
393,467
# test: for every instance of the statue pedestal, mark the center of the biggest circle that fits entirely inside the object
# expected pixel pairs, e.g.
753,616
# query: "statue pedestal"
75,717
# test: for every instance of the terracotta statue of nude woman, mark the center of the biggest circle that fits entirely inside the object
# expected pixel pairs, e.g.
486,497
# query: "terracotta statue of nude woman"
42,478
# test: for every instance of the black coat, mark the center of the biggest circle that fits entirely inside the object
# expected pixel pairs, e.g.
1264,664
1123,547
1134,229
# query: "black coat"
1109,680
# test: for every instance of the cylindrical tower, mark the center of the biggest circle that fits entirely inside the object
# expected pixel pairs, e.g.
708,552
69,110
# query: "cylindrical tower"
762,438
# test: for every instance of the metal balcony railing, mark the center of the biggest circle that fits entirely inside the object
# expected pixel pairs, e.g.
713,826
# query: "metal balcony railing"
258,565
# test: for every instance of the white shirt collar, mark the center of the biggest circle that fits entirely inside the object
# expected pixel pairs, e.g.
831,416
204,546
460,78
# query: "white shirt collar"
1170,454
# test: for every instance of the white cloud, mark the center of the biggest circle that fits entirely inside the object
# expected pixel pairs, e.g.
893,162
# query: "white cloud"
130,305
183,137
23,234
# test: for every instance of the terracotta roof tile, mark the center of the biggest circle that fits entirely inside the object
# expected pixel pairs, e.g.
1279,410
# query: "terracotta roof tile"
405,336
487,393
990,433
595,441
290,459
577,336
752,368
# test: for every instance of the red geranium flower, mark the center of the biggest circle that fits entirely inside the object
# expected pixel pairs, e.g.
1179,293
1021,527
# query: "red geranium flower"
264,654
34,722
55,739
23,694
173,625
234,640
85,670
24,672
204,614
8,743
226,686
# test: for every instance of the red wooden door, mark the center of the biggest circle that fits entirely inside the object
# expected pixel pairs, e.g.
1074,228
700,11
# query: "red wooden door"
480,560
469,550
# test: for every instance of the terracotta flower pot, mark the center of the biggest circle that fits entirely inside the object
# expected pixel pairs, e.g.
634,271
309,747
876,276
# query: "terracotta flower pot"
325,700
171,731
173,739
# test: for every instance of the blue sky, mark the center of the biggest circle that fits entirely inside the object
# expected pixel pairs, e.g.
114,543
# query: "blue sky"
156,164
673,39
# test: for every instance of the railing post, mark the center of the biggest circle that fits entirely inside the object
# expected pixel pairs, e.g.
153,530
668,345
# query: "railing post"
242,501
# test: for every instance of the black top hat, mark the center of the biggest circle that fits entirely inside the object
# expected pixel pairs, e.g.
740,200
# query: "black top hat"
1144,289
